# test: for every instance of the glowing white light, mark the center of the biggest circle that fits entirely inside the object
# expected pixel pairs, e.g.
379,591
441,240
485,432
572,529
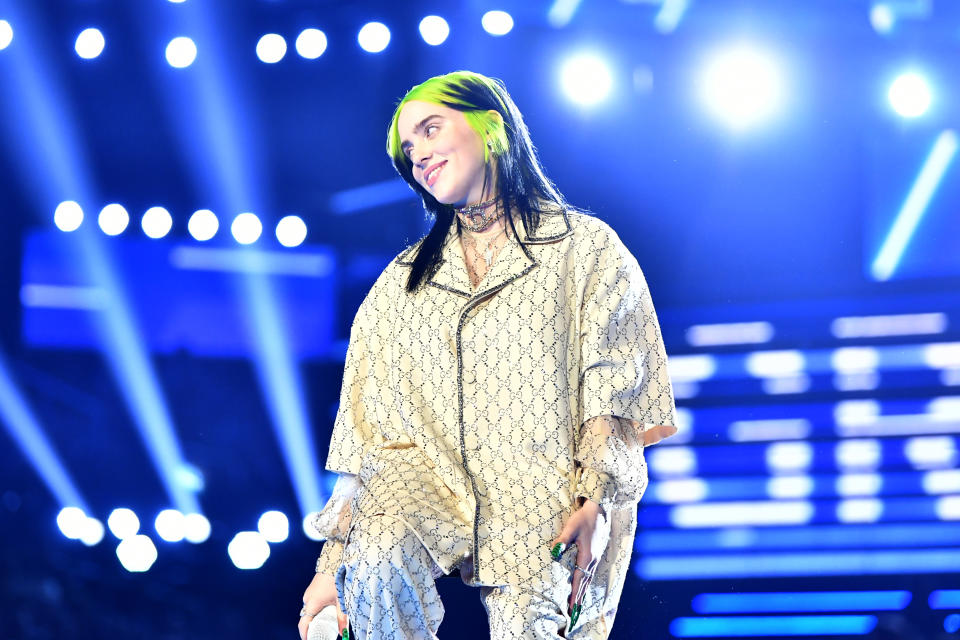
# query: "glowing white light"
774,429
785,487
946,481
246,228
196,528
248,550
176,1
858,454
137,553
855,359
89,43
274,526
497,23
789,456
851,413
770,364
123,523
92,532
895,325
271,48
726,514
113,219
861,510
673,461
203,225
308,528
586,79
434,30
170,525
882,18
181,52
291,231
948,508
931,452
156,222
708,335
686,490
6,34
68,216
859,484
910,95
188,477
741,87
374,37
942,355
311,43
72,521
692,367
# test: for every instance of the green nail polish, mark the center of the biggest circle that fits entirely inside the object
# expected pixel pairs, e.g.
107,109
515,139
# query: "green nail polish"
575,615
557,550
346,633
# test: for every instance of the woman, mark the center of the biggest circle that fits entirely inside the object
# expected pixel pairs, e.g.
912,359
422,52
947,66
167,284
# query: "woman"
503,376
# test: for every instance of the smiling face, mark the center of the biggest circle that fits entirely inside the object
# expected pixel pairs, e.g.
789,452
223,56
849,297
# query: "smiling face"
446,152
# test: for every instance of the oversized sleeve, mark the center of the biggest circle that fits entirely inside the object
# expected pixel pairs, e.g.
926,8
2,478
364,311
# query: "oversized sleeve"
624,385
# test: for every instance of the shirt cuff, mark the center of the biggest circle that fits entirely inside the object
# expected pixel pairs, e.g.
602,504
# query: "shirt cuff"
331,556
597,486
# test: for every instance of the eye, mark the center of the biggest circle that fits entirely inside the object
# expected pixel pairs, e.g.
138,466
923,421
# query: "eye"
429,130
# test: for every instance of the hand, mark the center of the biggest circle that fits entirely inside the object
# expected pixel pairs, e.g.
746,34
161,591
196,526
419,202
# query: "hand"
655,434
589,529
321,593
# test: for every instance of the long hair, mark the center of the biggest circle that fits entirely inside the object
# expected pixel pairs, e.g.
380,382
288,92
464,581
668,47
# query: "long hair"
521,182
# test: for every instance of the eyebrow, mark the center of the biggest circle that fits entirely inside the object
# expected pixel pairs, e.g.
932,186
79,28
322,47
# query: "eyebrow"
406,144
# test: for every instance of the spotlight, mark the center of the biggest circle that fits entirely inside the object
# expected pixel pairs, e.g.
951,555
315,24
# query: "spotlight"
291,231
72,521
910,95
203,225
307,525
156,222
181,52
882,18
311,43
196,528
6,34
374,37
271,48
68,216
434,30
89,43
113,219
92,532
170,525
741,87
586,79
246,228
137,553
123,523
274,526
248,550
497,23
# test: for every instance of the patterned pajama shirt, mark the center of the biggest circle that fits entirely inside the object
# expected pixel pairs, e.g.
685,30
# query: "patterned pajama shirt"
470,421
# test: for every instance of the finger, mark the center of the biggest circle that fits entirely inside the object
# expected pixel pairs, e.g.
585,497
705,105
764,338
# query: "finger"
655,434
563,541
303,626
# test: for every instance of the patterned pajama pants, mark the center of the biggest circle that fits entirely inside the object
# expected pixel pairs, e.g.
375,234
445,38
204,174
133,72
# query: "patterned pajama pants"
386,586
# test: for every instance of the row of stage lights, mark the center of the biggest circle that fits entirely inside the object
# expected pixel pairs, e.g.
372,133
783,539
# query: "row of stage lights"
137,552
203,225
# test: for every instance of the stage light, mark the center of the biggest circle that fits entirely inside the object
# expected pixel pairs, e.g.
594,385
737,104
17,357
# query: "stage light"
741,87
248,550
308,529
497,23
177,1
68,216
274,526
89,43
374,37
203,225
123,523
311,43
137,553
882,18
6,34
291,231
246,228
271,48
170,525
156,222
196,528
181,52
71,521
434,30
92,532
789,457
910,95
113,219
586,79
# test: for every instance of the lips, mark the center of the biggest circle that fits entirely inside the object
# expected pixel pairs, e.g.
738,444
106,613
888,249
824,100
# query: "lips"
431,174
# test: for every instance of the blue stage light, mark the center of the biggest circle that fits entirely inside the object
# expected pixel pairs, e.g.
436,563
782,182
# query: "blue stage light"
156,222
90,43
71,521
170,525
670,14
196,528
742,87
434,30
586,79
123,523
311,43
274,526
882,18
561,12
374,37
910,95
779,626
797,602
6,34
291,231
113,219
248,550
271,48
308,529
246,228
92,532
68,216
137,553
181,52
203,225
951,624
497,23
944,599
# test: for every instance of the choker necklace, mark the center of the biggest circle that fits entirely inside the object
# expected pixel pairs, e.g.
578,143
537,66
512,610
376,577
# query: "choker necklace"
475,211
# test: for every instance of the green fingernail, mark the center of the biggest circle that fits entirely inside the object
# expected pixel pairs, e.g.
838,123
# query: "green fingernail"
574,615
346,633
558,550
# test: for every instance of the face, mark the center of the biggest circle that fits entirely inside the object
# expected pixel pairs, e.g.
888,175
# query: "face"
447,154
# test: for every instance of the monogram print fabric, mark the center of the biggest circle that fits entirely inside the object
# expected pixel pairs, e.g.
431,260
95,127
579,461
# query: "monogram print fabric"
478,415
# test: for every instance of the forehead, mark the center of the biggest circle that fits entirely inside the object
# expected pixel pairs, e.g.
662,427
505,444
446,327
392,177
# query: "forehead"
414,112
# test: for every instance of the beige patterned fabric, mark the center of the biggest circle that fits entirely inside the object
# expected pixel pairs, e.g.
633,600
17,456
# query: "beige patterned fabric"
461,408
